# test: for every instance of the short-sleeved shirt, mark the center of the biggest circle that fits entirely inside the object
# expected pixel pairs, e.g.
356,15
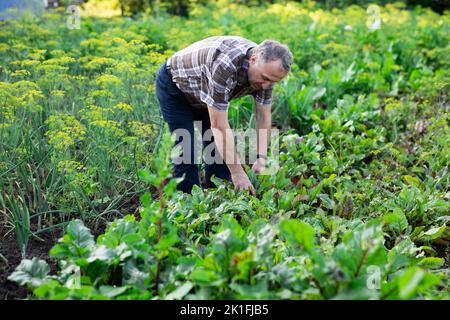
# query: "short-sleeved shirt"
213,71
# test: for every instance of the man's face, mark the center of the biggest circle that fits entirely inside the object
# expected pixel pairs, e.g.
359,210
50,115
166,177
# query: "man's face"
264,75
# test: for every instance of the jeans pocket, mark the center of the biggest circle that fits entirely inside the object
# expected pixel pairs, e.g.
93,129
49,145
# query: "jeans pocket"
165,83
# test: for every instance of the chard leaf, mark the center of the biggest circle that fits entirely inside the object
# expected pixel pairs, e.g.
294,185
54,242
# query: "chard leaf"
297,232
180,292
431,262
76,243
120,231
102,253
257,291
134,277
111,291
204,277
397,220
31,272
359,249
414,280
318,92
432,234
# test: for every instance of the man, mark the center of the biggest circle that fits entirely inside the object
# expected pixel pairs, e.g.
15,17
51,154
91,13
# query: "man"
197,83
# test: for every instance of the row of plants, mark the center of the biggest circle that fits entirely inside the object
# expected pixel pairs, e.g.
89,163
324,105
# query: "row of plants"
76,123
327,225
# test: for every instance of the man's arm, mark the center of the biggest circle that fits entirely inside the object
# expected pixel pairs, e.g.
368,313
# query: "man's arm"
263,126
224,140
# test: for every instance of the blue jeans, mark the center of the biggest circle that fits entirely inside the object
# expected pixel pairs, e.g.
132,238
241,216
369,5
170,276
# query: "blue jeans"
179,114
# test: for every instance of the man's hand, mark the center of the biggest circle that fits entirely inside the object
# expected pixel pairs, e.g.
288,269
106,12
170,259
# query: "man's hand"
259,165
242,182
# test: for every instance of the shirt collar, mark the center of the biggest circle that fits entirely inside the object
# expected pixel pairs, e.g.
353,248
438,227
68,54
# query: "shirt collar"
243,72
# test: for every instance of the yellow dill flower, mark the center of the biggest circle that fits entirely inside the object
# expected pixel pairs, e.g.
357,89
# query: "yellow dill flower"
93,112
125,67
69,167
30,103
130,139
17,63
138,41
7,33
37,54
91,43
52,69
57,53
66,60
32,94
141,129
52,44
118,41
6,114
168,53
64,130
130,35
99,62
59,61
23,87
57,93
99,94
373,65
32,106
124,107
19,47
157,58
336,46
323,36
326,62
78,77
140,87
76,52
21,73
60,140
4,47
392,104
111,127
108,81
100,123
9,97
25,63
315,16
286,10
367,47
303,74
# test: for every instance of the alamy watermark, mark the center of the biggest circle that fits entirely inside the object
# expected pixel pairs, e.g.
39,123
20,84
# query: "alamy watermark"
374,277
374,19
73,20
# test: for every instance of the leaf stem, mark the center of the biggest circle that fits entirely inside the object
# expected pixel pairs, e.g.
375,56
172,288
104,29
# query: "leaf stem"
159,224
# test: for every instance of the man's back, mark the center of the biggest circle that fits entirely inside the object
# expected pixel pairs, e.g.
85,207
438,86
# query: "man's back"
205,51
208,71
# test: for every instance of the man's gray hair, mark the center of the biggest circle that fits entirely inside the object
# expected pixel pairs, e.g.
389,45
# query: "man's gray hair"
272,50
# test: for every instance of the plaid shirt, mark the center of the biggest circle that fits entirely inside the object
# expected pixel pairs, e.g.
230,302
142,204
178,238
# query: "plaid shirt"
214,70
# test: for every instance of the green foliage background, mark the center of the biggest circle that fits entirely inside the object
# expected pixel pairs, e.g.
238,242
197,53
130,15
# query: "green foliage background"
182,7
361,191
